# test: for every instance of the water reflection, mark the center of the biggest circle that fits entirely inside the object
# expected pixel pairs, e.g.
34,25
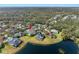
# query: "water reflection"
68,46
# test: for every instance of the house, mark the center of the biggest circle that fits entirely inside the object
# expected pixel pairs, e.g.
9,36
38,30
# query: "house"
35,28
46,31
30,32
54,31
13,31
40,36
72,38
0,45
15,42
57,16
2,24
9,39
1,41
73,16
18,26
19,34
5,36
30,26
69,17
38,26
65,17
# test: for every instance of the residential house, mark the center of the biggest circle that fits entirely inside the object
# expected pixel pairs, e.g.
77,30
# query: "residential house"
73,17
1,41
40,36
46,31
54,31
30,32
65,17
19,34
5,36
57,16
15,42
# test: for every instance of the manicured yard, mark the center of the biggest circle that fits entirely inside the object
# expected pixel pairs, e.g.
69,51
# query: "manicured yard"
10,49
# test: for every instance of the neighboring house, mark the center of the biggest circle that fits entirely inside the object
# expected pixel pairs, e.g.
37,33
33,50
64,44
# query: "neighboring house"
69,17
18,26
65,17
35,28
7,30
15,42
73,38
0,45
3,24
57,16
40,36
25,32
1,30
30,26
30,32
38,26
9,39
19,34
46,31
12,31
73,16
5,36
54,31
1,41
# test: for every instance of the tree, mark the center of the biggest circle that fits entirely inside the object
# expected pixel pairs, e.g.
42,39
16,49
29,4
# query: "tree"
26,21
76,33
68,33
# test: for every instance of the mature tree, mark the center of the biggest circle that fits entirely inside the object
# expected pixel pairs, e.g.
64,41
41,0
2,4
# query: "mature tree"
26,21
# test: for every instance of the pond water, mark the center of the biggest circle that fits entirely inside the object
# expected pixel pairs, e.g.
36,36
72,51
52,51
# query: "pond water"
68,46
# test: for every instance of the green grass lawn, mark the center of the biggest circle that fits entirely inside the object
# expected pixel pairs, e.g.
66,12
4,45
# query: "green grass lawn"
47,41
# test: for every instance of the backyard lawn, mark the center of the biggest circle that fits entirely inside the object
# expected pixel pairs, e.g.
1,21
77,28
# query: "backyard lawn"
47,41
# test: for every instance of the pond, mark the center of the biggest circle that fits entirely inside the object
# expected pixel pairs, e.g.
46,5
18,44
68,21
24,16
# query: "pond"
68,46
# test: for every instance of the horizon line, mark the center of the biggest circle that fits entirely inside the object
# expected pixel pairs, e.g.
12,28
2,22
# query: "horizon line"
39,5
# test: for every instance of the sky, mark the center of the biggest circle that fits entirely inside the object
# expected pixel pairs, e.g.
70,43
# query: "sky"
39,5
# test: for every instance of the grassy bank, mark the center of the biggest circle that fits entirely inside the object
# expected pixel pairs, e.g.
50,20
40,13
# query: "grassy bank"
11,50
